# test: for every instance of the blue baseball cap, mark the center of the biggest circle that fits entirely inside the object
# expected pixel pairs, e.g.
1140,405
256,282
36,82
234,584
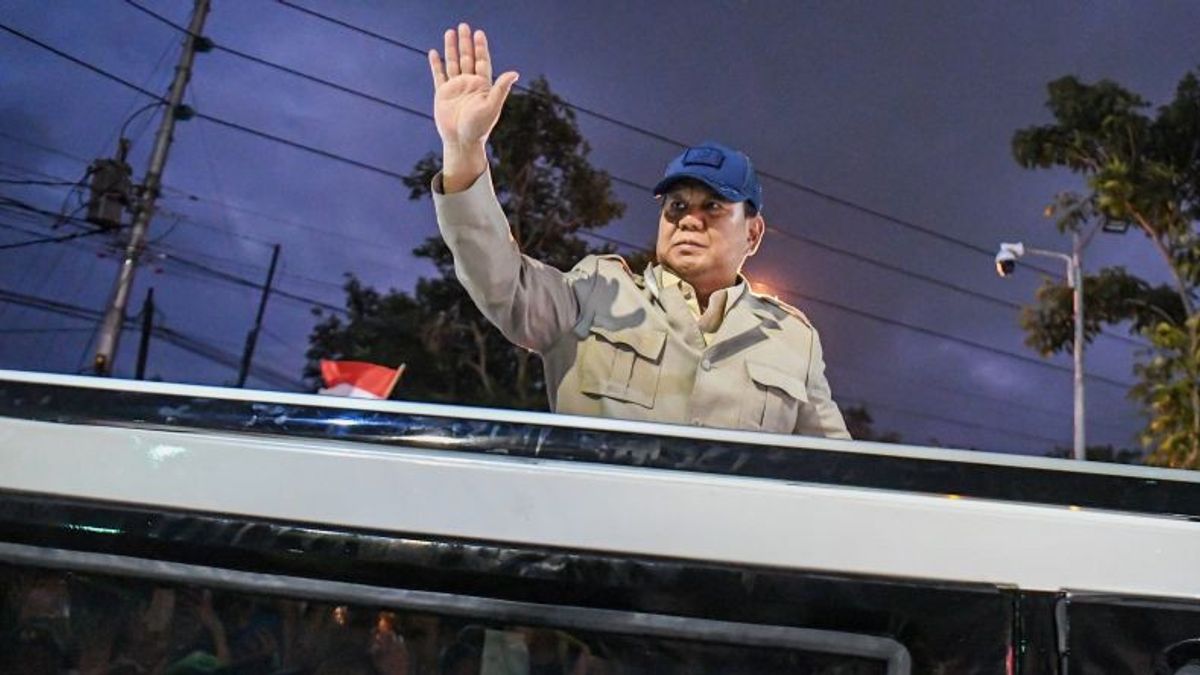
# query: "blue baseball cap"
726,171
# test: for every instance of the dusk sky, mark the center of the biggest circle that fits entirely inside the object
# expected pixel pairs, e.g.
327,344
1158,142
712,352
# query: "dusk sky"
901,111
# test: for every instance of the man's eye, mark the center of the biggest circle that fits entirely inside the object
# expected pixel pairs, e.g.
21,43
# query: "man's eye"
677,205
714,206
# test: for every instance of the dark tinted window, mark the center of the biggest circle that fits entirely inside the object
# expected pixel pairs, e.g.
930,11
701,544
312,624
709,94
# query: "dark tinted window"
54,622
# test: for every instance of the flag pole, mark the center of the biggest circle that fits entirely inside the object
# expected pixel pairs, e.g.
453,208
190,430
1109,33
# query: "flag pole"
395,381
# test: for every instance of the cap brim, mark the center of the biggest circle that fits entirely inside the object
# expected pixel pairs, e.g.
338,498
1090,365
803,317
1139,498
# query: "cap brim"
728,193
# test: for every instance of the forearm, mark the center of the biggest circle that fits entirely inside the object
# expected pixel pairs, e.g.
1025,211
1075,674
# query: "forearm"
530,302
462,165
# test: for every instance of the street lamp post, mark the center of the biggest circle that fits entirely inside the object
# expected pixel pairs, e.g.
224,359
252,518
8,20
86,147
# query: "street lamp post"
1005,264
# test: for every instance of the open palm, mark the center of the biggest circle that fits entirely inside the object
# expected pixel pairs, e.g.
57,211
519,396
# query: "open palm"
466,103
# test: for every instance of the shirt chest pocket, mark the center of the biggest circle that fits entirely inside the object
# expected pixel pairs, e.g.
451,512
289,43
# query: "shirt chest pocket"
772,399
623,364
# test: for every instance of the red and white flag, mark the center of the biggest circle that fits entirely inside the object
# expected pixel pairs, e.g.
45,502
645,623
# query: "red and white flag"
358,379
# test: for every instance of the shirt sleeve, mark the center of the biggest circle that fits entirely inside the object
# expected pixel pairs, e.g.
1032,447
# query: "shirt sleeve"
532,304
821,417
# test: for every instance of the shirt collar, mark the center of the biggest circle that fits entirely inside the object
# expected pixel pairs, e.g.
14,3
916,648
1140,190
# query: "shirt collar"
659,278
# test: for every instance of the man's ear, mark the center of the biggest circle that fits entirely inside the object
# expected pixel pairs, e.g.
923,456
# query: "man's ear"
756,227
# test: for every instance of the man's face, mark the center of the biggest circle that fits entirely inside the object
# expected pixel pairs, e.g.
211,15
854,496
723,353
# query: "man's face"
704,239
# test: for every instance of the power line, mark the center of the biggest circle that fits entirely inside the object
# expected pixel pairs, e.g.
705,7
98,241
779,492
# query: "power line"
895,268
301,146
929,280
841,371
130,114
946,336
224,275
331,84
251,284
282,68
187,343
75,246
278,339
272,217
948,420
38,331
204,116
248,283
912,327
184,194
229,232
52,183
60,218
87,231
647,133
52,180
214,175
184,218
959,422
393,174
58,181
49,240
252,266
18,228
187,219
44,148
614,177
805,296
81,63
874,262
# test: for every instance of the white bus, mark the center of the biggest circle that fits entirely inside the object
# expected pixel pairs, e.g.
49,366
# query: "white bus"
161,528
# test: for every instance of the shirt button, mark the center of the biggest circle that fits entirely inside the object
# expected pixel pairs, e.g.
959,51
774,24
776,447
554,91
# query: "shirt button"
706,364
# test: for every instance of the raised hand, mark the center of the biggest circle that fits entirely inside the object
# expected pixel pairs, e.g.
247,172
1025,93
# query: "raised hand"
466,102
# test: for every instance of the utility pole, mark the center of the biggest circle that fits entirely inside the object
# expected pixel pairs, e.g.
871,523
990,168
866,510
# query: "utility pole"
1005,264
114,317
147,326
252,336
1079,451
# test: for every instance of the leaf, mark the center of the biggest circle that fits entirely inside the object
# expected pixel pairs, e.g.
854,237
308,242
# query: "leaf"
551,194
1141,171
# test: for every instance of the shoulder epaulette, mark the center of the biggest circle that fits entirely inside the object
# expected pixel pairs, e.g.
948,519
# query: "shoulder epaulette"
614,258
785,307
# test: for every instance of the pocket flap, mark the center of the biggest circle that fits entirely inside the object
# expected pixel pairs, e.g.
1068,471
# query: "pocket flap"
647,342
769,376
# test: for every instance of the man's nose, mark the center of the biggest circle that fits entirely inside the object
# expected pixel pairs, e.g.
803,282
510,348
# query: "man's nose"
691,221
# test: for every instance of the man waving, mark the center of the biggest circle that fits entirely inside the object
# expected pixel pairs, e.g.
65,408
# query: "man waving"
686,341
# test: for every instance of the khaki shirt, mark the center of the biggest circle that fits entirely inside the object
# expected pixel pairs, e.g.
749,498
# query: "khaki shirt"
624,345
709,319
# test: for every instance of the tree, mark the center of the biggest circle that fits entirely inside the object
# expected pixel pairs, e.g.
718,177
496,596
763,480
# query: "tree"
384,328
1101,453
861,426
552,196
1142,172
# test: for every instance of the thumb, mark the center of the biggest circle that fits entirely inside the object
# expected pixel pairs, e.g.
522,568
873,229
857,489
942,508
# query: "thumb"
503,85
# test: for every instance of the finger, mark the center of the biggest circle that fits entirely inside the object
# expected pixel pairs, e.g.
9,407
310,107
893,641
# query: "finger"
439,72
466,50
504,84
483,59
451,44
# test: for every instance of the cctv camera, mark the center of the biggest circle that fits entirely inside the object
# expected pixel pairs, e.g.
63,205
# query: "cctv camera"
1006,259
1006,263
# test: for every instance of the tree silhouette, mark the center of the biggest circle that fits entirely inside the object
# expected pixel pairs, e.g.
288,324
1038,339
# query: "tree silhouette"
551,195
